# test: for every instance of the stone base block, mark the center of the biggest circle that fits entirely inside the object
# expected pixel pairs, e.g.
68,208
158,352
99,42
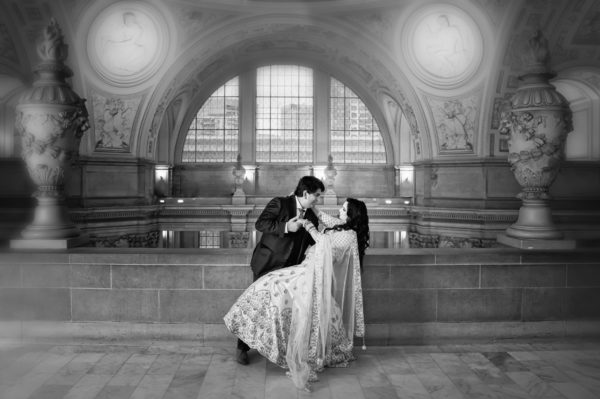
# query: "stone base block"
213,334
238,198
330,199
535,244
55,243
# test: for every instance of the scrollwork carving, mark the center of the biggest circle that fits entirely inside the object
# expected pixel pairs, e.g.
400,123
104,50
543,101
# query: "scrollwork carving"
417,240
143,240
239,239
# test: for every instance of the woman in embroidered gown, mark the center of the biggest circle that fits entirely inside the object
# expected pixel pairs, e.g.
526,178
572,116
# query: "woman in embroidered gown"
304,317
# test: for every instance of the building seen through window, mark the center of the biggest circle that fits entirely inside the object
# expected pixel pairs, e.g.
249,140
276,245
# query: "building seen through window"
284,114
355,136
214,132
284,120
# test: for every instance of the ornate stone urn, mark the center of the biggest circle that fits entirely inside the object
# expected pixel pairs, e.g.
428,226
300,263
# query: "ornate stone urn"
239,173
51,118
537,123
330,197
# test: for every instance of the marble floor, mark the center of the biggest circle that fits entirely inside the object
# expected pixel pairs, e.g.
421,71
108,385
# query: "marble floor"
181,370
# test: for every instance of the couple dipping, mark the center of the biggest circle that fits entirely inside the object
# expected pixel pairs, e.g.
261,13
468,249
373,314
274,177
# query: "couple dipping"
305,305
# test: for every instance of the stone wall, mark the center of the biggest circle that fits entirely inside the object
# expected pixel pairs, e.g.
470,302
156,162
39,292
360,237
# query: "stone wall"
275,180
490,184
409,295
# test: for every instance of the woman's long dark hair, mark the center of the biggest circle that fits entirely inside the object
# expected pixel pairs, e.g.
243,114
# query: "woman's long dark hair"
358,220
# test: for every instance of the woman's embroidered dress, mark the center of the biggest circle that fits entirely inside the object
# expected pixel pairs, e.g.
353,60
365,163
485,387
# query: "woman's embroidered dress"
305,317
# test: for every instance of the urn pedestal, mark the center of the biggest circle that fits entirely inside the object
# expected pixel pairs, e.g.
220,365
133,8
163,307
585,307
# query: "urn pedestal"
537,124
51,119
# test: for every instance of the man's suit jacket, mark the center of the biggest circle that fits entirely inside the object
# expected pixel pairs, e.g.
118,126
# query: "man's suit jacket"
276,249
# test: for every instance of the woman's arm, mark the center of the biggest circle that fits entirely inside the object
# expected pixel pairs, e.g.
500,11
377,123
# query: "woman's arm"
339,239
312,230
327,220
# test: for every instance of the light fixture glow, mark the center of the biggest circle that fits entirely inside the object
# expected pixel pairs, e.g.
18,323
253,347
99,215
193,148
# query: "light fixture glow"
319,171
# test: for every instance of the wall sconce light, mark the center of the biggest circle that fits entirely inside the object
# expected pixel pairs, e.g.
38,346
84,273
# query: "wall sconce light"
161,171
319,172
249,175
406,174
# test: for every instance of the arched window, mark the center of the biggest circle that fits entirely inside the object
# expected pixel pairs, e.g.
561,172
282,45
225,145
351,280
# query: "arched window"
284,113
214,132
354,134
284,118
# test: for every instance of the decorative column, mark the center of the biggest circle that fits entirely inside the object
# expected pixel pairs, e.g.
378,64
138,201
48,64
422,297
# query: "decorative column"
329,197
51,119
537,124
239,173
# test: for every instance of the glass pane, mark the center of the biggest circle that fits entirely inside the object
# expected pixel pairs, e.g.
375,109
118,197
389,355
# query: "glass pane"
284,112
218,114
209,239
336,89
354,134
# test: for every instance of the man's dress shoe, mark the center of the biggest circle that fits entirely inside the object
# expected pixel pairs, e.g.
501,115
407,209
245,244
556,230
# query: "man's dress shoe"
242,357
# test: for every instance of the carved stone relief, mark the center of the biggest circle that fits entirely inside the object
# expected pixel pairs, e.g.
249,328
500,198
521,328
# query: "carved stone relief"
417,240
442,45
456,122
113,122
239,239
127,43
536,147
393,112
143,240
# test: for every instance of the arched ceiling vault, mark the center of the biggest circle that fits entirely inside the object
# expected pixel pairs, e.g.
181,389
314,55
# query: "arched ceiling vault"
353,37
320,47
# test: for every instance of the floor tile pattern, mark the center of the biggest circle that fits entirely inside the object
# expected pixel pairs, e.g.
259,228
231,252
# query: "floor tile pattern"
183,370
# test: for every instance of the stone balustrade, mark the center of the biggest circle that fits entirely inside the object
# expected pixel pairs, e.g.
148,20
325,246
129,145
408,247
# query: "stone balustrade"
410,295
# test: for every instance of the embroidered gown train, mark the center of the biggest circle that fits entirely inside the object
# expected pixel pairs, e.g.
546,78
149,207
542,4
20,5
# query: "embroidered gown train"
304,317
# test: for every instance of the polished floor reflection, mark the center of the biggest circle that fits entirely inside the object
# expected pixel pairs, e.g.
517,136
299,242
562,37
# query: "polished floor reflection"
181,370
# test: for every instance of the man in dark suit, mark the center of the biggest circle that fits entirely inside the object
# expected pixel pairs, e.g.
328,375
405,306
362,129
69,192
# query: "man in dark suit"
283,241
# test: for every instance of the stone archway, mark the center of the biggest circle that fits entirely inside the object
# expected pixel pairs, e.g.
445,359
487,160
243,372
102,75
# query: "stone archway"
372,75
581,87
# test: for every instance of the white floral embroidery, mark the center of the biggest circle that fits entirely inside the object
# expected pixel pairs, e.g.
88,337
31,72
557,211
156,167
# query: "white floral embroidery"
261,316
